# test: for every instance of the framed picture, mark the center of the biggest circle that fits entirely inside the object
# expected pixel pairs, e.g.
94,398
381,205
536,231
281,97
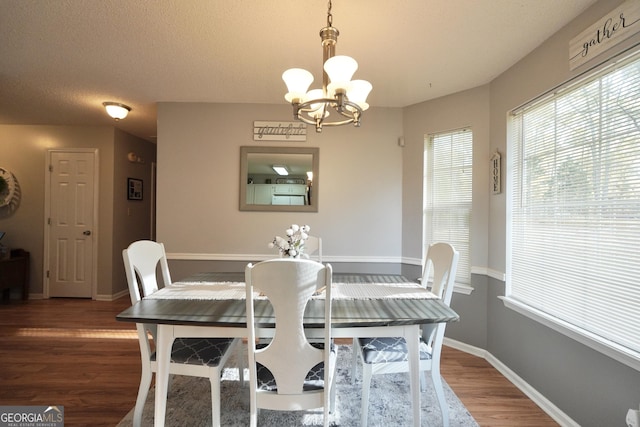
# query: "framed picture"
134,189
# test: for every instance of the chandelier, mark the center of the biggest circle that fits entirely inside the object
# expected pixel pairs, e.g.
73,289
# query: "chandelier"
339,94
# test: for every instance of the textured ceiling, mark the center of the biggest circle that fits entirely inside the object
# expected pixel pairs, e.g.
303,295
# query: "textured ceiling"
59,60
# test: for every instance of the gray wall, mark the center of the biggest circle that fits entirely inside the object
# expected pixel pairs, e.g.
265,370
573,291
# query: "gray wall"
465,109
378,221
359,194
589,387
132,219
370,214
23,151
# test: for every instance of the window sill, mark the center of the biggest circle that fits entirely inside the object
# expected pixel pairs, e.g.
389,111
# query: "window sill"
608,348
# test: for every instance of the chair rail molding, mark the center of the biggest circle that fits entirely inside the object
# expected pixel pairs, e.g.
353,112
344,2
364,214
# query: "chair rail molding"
486,271
261,257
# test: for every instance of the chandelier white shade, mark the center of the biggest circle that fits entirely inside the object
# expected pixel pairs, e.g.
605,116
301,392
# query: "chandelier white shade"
340,69
116,110
297,81
339,94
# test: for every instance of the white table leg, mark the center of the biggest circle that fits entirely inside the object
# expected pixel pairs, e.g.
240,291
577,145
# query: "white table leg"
412,336
163,358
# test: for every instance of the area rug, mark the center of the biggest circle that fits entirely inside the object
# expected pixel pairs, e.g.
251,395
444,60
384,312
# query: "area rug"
389,403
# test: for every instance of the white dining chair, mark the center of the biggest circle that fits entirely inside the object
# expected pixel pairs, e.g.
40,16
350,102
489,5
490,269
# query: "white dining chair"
313,248
389,355
289,373
196,357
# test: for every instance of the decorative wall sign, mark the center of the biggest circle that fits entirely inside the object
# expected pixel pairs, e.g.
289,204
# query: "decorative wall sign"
134,189
616,26
279,131
495,172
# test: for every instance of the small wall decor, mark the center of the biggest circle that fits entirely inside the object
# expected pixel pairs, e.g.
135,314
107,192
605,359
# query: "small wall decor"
7,187
279,131
134,189
495,172
134,158
9,191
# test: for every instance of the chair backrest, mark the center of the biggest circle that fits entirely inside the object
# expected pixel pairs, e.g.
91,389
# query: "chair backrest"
313,248
288,284
440,265
141,261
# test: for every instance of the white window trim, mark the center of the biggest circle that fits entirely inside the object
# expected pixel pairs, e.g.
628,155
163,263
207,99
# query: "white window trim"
465,287
611,349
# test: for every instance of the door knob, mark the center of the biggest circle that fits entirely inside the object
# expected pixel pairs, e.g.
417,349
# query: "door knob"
87,232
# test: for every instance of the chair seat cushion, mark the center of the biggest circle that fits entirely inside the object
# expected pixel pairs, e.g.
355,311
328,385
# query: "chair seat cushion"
313,381
198,351
386,350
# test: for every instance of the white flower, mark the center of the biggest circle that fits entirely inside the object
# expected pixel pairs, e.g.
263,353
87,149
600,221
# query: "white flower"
282,243
293,245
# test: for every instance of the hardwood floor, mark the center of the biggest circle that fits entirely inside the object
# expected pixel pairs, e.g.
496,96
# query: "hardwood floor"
490,397
73,353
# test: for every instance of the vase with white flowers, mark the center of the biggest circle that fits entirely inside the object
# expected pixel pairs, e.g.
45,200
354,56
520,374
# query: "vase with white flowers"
293,245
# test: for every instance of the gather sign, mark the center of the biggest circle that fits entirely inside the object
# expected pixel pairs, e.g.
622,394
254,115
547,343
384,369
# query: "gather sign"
616,26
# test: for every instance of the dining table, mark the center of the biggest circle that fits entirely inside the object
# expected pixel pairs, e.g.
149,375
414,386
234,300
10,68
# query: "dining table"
212,304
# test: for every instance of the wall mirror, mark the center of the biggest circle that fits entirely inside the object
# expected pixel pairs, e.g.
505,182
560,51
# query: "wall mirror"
279,179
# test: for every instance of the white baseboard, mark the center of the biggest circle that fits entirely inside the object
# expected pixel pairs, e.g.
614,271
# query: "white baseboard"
98,297
458,345
112,297
545,404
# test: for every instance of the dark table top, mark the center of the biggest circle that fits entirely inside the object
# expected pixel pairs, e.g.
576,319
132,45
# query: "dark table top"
345,313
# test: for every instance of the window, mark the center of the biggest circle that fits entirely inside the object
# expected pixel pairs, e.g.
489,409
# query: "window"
574,221
447,194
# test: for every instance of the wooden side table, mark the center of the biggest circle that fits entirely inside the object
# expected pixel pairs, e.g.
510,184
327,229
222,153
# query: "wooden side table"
15,272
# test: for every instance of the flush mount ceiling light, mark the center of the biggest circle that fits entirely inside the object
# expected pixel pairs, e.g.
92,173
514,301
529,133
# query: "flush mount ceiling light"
280,170
339,93
116,110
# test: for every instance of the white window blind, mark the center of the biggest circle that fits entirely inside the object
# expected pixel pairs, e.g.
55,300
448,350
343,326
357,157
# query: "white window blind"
447,194
575,206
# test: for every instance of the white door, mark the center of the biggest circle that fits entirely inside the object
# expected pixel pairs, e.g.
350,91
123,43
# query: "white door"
71,223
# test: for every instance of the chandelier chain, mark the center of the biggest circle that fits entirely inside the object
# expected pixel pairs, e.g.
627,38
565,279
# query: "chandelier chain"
329,15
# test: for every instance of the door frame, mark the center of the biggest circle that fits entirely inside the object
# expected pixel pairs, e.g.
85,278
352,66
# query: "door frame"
47,215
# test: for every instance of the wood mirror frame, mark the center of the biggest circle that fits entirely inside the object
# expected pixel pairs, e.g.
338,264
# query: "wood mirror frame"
259,184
